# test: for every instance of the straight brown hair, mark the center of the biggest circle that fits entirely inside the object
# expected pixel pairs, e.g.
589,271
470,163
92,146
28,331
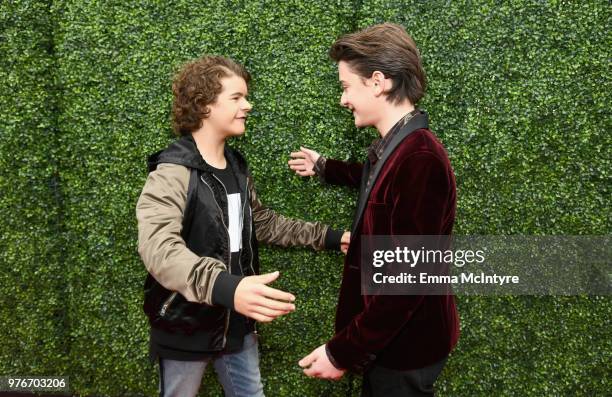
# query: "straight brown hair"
386,48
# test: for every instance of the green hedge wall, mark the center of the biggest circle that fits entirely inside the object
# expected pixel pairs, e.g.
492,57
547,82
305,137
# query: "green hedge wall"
33,321
519,93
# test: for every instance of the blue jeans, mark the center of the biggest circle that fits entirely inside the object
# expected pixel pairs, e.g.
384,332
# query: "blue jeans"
237,372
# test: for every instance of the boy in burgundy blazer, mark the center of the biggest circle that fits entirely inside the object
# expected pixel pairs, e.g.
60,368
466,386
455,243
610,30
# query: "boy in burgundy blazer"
407,187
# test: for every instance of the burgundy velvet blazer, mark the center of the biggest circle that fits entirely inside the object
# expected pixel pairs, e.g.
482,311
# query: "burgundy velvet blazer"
413,194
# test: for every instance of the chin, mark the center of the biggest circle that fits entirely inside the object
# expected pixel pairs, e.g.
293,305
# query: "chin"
362,123
359,122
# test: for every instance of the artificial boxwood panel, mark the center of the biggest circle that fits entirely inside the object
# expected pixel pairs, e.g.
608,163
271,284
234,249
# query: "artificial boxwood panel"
116,64
32,280
517,93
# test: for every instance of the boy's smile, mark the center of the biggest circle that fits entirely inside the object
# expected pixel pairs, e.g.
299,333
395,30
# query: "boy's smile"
229,112
357,95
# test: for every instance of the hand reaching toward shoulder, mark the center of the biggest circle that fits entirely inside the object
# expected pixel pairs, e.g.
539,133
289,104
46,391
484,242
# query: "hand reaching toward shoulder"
303,161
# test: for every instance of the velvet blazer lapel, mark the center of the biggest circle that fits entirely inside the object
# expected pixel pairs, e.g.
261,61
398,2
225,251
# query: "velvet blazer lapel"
417,122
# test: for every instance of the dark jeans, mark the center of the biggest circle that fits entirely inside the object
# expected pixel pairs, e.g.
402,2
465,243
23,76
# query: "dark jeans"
384,382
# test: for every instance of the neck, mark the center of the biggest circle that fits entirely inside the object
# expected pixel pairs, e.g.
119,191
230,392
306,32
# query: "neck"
391,115
211,147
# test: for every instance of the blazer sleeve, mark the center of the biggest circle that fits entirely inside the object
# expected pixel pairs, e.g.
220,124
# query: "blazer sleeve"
338,172
420,191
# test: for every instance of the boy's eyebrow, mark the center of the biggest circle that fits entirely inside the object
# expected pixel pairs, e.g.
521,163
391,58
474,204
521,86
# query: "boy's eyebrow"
238,93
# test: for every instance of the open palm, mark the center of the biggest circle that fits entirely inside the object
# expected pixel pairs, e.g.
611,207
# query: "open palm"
303,161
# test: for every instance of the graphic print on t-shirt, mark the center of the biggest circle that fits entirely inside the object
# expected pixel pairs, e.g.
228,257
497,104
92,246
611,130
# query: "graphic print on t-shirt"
235,221
234,208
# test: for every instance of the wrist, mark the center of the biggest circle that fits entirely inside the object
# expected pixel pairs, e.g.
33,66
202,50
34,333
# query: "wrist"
331,358
224,290
333,239
319,166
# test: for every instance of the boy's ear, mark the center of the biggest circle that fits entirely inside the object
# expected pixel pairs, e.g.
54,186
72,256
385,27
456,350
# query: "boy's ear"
379,83
206,111
203,118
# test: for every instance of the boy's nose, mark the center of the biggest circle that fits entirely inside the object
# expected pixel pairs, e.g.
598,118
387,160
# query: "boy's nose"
343,102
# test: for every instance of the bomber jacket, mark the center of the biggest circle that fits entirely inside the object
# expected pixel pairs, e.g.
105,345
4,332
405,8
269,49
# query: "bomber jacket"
184,244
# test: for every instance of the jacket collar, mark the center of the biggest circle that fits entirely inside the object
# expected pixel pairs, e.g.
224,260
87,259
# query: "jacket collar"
377,148
184,151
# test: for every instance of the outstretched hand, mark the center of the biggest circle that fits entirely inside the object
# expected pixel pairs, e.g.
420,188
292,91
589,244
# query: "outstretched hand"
256,300
303,161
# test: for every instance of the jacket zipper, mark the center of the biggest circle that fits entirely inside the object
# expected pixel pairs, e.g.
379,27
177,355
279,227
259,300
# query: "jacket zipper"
246,198
241,231
229,256
167,303
250,226
250,232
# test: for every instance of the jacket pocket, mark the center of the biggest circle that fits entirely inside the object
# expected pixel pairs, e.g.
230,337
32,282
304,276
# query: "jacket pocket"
166,305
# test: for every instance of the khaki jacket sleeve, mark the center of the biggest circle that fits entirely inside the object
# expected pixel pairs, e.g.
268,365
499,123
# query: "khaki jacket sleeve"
159,212
272,228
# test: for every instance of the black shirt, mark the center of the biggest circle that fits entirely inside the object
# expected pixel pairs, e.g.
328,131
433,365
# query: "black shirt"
238,323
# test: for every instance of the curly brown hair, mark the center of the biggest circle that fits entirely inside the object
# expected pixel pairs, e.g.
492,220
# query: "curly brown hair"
197,85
